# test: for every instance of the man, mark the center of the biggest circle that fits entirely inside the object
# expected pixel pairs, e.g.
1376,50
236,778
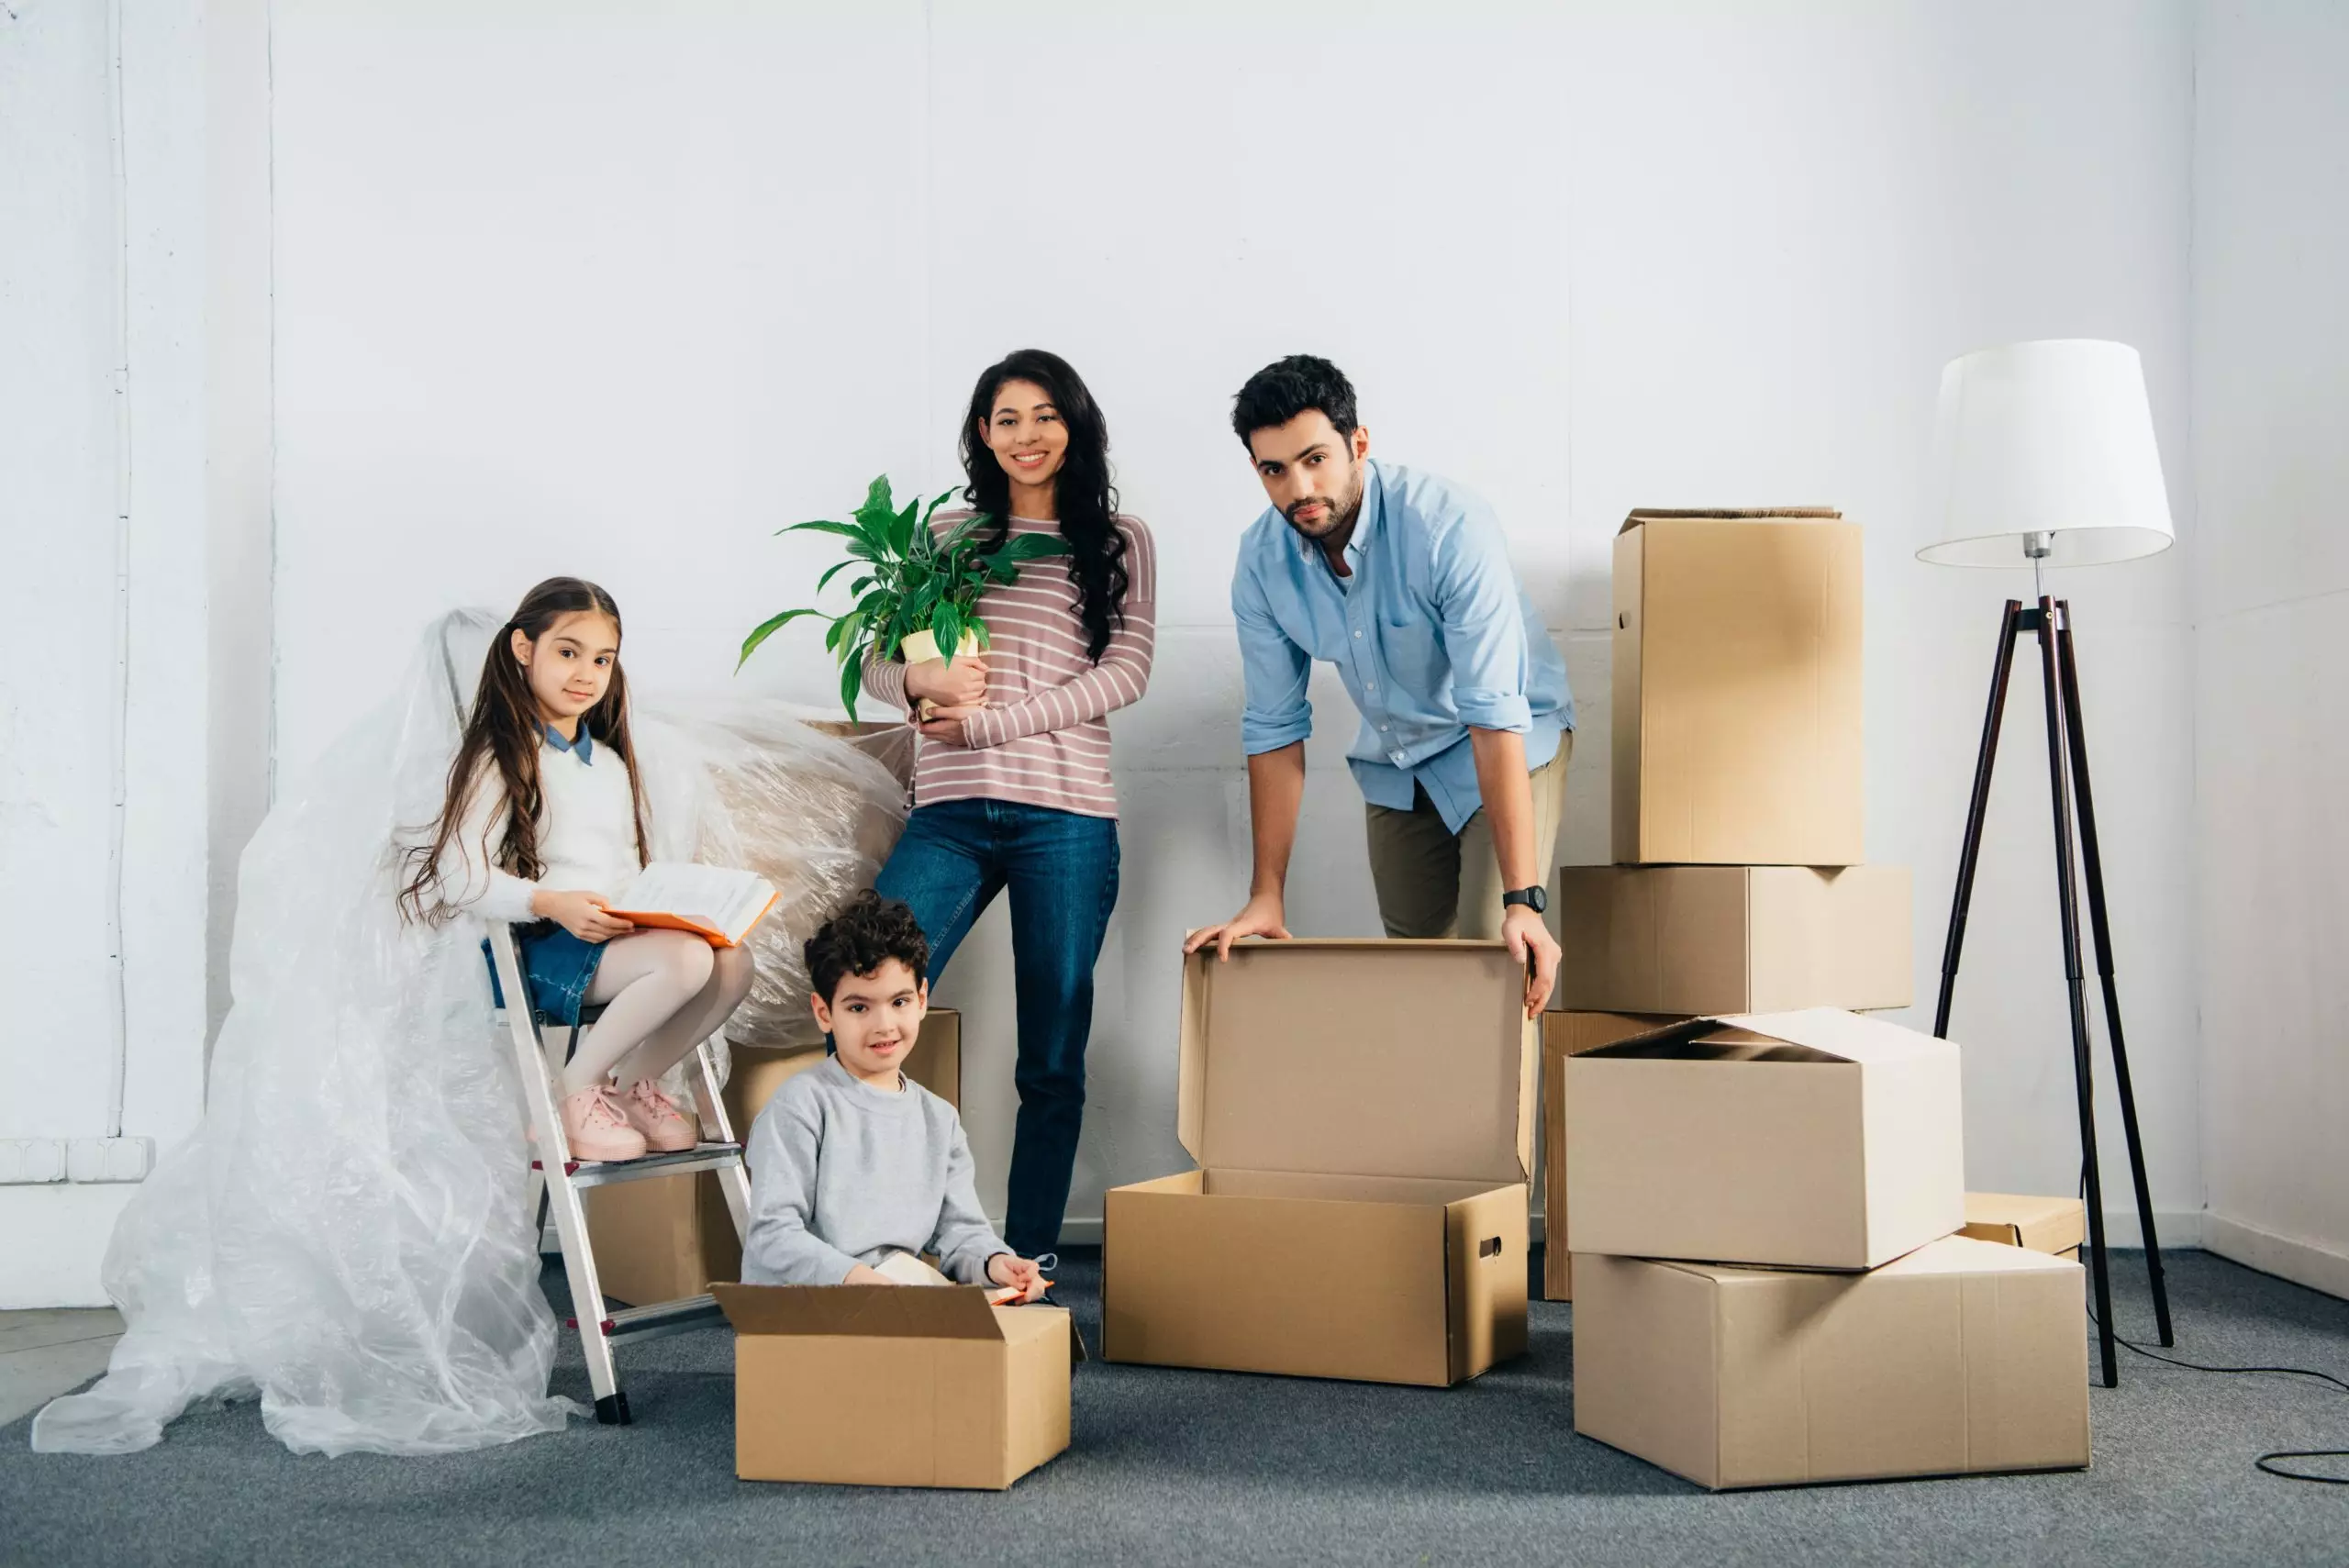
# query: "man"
1402,581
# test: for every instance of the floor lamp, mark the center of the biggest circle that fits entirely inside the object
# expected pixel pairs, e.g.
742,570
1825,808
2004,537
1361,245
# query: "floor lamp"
2043,455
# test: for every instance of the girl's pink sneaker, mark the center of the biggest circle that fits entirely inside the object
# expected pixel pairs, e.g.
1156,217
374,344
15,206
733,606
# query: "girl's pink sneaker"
594,1128
655,1116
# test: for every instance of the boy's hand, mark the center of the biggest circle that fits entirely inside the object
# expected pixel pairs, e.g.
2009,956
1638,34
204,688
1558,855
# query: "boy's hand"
581,914
1527,933
861,1274
1008,1270
1261,917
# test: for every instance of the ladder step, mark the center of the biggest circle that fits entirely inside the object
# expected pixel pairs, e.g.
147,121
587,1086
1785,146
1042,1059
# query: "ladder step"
661,1318
603,1173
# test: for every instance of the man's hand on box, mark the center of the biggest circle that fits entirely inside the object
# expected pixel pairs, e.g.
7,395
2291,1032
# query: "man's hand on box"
1526,932
1263,917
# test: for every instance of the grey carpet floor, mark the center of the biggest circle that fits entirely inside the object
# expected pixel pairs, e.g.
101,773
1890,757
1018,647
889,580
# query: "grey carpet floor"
1173,1466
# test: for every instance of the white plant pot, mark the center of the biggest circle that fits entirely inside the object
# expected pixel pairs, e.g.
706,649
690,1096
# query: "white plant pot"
920,646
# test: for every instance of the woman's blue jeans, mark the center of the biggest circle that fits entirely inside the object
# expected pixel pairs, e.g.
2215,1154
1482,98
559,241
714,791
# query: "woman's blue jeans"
1062,871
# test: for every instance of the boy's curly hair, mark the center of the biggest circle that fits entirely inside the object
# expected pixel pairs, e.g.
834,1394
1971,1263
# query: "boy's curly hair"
866,934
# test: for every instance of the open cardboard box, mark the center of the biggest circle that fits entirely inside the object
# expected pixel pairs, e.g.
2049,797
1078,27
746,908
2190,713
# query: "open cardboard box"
2057,1226
1736,681
1362,1113
893,1386
1565,1035
667,1237
1811,1140
1733,938
1960,1357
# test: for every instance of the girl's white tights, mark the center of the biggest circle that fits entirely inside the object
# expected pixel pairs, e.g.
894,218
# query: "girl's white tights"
664,992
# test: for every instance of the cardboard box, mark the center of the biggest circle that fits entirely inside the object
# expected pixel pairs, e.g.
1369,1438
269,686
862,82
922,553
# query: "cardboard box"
1733,938
1962,1357
1736,687
1812,1140
890,1385
665,1238
2057,1226
1565,1035
1361,1114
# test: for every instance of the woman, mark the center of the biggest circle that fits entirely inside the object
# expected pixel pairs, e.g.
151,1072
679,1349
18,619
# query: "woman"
1012,784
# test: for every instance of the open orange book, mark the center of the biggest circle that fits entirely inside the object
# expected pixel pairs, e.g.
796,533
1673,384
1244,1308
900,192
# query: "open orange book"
716,903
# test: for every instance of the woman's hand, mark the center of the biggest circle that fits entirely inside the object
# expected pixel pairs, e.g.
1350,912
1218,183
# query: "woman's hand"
861,1274
581,914
1008,1270
963,684
945,725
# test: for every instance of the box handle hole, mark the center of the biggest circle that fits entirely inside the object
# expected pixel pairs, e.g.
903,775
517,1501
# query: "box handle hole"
1490,1247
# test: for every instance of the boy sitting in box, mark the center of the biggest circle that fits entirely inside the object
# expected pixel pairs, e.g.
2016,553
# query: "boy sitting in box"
852,1162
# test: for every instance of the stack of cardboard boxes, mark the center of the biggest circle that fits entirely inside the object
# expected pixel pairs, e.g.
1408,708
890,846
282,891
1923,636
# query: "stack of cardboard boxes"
1760,1189
1737,790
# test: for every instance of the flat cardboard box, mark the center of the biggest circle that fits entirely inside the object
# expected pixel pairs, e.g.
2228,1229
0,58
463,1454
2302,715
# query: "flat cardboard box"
1813,1139
1362,1113
1960,1357
1736,685
1565,1035
890,1385
2057,1226
1691,939
665,1238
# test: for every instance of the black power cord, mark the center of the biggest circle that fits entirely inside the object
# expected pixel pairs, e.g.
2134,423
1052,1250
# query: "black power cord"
2266,1462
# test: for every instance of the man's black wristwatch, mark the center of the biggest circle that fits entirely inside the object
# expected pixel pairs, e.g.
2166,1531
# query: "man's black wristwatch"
1533,897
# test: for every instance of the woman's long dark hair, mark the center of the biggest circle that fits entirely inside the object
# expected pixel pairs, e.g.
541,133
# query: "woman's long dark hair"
504,731
1087,502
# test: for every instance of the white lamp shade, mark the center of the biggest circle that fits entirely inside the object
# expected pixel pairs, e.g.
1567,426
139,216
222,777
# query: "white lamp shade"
2051,438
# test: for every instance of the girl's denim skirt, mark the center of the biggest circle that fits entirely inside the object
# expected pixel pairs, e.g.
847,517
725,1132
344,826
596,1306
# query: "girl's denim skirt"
556,966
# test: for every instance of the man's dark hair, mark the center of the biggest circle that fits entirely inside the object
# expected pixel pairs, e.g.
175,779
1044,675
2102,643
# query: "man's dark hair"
863,937
1286,388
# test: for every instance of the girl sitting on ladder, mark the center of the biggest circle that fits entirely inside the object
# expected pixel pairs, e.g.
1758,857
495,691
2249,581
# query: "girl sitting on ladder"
549,733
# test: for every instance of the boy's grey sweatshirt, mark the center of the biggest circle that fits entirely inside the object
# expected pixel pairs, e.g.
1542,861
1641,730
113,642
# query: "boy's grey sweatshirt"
842,1174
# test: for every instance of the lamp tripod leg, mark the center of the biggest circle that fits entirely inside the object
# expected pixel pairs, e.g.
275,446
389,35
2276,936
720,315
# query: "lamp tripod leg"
2100,926
1970,849
2067,905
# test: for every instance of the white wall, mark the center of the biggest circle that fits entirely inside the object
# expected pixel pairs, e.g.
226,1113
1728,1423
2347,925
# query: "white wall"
620,297
126,431
2271,403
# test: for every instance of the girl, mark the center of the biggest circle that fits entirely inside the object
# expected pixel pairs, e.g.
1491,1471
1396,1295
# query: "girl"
1012,784
544,817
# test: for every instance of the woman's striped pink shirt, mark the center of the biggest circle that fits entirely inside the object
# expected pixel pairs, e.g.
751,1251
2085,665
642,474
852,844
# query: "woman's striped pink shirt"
1043,738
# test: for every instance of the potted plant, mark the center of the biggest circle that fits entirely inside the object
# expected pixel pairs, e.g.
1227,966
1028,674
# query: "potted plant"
916,594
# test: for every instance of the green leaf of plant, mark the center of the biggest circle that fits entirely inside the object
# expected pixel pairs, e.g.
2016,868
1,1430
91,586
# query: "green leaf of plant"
946,624
851,678
768,629
824,526
833,571
1032,547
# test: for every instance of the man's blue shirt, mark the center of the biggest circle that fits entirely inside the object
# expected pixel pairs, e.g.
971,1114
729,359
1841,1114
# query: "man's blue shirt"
1431,634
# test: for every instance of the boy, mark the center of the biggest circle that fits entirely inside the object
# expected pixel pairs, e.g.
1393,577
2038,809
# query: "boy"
851,1161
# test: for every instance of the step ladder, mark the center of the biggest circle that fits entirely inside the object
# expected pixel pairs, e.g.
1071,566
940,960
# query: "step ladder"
557,1180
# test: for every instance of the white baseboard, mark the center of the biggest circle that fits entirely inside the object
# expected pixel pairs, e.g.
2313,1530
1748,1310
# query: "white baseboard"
2310,1263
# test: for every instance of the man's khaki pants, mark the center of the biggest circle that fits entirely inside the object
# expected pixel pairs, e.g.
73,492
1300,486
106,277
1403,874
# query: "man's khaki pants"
1434,882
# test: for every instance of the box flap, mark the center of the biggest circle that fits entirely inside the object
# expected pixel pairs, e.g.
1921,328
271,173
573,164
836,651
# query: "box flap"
860,1311
1359,1057
1749,1036
1727,514
1950,1255
2042,1224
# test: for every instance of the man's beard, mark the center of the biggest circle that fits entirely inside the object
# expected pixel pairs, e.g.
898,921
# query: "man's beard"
1334,516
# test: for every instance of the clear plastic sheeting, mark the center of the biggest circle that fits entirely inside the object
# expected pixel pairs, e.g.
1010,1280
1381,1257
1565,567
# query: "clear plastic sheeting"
344,1234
